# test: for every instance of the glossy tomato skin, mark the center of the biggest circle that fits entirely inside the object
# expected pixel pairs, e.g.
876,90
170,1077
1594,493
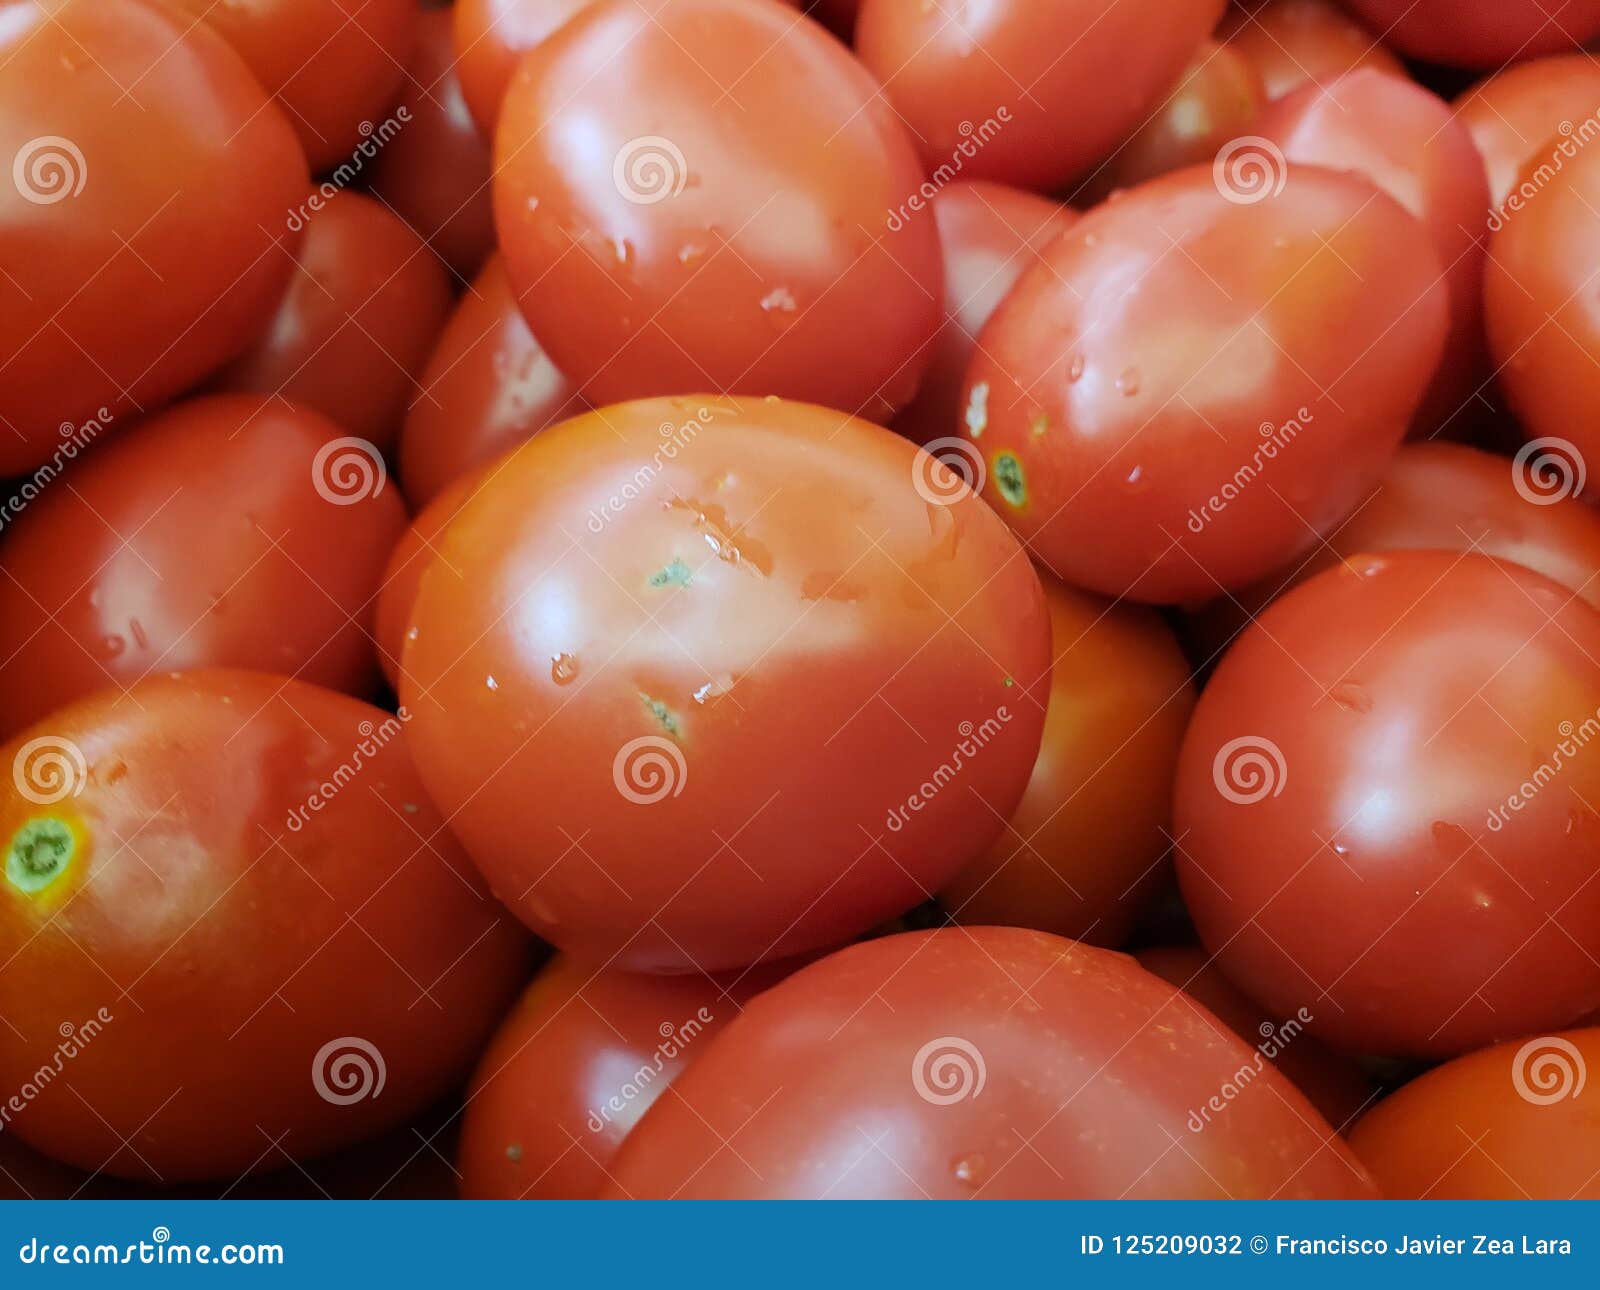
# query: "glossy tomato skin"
353,330
1292,43
491,36
129,565
1407,142
1480,33
942,1048
1526,111
1083,850
692,623
1286,341
1403,740
986,88
570,1071
1527,1109
334,65
434,173
252,913
679,237
990,234
402,575
486,387
138,254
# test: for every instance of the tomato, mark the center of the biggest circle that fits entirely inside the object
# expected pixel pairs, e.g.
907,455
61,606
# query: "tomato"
1403,740
357,322
990,234
136,241
1407,142
1202,375
334,65
486,387
571,1070
403,574
229,844
986,88
1292,43
1528,110
1481,33
746,218
1332,1082
1544,332
769,666
988,1062
1513,1122
1083,849
434,173
232,531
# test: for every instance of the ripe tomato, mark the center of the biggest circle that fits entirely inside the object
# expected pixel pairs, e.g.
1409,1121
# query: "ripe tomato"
403,574
1332,1082
1527,110
746,218
1083,849
486,387
1481,33
1403,740
289,951
1204,374
354,328
986,88
571,1070
1513,1122
1292,43
491,36
769,666
434,173
1407,142
989,1062
990,234
136,241
224,532
333,64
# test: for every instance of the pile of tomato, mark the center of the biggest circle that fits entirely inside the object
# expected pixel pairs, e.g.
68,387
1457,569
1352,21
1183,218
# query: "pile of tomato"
753,598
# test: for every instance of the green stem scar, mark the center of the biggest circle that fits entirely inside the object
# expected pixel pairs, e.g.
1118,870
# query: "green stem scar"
40,852
1008,478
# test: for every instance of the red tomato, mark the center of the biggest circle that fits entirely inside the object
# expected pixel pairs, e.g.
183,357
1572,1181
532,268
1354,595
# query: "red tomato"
434,173
232,532
491,36
1204,374
1481,33
229,844
1407,142
990,234
768,665
333,64
1084,848
1528,111
1292,43
1514,1122
988,1062
1403,740
403,574
486,388
136,241
986,88
743,219
572,1069
357,322
1332,1082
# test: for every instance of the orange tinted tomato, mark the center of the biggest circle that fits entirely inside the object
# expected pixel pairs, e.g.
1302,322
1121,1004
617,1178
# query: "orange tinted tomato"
357,322
740,220
490,37
1481,33
486,388
918,1066
769,666
403,574
1084,847
215,534
1292,43
1279,337
1527,110
136,241
276,951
